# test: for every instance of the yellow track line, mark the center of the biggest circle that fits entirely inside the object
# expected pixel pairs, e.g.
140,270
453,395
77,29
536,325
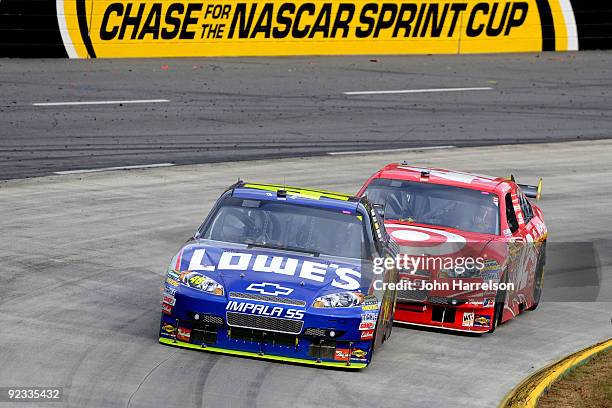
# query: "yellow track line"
526,394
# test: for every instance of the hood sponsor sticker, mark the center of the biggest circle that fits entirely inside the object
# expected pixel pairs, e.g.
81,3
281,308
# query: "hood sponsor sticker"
418,240
214,259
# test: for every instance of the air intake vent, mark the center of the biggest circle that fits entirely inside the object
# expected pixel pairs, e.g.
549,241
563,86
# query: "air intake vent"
265,323
315,332
416,295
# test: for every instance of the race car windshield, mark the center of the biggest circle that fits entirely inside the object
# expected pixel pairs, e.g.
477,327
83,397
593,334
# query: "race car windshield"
285,226
435,204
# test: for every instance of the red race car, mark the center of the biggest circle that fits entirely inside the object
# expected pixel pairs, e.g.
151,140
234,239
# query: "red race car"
472,247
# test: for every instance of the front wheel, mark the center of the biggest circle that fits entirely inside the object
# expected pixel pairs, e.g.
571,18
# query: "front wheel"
537,285
497,316
500,302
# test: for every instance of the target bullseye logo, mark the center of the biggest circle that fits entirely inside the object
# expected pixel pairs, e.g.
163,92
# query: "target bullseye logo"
420,240
410,235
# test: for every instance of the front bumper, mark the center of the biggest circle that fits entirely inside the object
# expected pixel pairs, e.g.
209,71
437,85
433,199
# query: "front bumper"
177,343
459,318
201,323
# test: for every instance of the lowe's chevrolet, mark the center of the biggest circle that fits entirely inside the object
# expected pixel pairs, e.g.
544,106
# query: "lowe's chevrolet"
282,273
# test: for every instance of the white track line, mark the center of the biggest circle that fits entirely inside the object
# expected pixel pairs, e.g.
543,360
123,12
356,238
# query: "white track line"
144,166
412,91
100,102
407,149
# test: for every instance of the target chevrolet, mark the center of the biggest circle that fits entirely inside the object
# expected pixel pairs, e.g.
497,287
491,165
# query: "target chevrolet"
439,214
282,273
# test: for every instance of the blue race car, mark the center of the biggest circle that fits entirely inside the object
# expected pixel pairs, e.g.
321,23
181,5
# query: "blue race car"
283,273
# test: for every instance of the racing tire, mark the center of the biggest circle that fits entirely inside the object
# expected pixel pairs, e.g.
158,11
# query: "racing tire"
388,331
389,328
374,340
498,311
537,286
497,316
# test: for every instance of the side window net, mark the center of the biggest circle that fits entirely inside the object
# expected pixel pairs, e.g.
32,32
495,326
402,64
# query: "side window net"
526,207
510,215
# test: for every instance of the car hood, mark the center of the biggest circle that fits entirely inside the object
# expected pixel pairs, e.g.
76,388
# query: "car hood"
262,271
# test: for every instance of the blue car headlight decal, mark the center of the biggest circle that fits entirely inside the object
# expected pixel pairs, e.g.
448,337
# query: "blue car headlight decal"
198,281
339,299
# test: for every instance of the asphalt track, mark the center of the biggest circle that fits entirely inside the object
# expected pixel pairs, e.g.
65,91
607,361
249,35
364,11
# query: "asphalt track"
249,108
82,259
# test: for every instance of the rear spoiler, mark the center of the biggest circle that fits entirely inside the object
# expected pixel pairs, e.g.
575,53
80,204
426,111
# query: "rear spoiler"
529,190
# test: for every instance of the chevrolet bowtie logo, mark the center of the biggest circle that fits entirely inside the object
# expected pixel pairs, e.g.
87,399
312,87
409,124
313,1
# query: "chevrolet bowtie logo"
272,289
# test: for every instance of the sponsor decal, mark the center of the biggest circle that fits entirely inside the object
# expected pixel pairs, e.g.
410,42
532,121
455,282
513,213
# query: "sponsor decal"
166,309
170,290
341,355
468,319
264,310
370,300
358,355
183,334
343,277
488,303
369,317
367,325
173,275
367,335
273,289
168,328
420,240
370,303
482,321
490,275
172,282
139,28
491,270
169,299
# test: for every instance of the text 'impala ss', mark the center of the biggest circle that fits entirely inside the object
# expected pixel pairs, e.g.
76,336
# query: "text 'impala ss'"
472,246
282,273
